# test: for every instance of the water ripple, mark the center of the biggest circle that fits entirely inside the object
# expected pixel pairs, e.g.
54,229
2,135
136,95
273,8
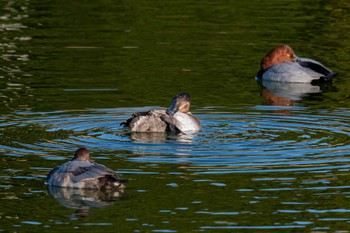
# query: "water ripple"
254,139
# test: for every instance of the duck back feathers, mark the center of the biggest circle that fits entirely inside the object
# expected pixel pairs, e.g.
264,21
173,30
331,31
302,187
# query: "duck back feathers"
84,174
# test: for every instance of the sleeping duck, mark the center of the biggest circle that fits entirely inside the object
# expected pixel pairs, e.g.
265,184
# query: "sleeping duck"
83,173
282,65
177,118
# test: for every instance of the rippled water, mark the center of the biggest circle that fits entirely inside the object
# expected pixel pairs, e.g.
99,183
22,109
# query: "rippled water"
269,158
290,163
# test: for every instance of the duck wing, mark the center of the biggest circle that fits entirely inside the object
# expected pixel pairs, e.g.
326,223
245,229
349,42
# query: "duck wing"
94,171
326,73
135,116
147,121
171,123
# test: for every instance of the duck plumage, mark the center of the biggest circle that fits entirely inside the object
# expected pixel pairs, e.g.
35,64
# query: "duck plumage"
282,65
83,173
177,118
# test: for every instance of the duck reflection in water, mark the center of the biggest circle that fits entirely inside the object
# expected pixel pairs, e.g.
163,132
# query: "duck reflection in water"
286,94
176,119
84,199
160,137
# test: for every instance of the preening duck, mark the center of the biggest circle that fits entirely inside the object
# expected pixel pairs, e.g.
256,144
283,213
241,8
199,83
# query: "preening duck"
282,65
177,118
83,173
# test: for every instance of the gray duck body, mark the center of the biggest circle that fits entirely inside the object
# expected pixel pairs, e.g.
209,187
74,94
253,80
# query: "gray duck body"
83,173
176,119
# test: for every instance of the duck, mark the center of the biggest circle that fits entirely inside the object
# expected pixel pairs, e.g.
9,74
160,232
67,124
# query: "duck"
281,64
83,173
176,119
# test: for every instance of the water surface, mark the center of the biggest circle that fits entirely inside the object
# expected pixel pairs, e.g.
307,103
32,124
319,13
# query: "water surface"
269,158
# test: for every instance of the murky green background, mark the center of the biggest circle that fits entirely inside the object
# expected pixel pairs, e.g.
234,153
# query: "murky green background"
71,71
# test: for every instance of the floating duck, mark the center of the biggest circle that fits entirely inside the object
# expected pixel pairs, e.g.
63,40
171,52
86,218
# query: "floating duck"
282,65
177,118
83,173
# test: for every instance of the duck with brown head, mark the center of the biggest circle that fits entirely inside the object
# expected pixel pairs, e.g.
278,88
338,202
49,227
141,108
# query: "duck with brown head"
282,65
83,173
177,118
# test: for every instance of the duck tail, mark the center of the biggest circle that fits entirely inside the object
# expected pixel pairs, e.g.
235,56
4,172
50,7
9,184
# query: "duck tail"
119,184
112,182
124,181
328,78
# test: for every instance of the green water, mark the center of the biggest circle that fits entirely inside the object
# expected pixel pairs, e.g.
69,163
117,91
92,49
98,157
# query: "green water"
71,71
141,53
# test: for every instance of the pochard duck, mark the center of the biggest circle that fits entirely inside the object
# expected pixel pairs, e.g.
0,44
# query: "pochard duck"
282,65
83,173
177,118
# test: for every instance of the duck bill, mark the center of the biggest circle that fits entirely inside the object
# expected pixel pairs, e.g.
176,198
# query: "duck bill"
295,58
174,108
